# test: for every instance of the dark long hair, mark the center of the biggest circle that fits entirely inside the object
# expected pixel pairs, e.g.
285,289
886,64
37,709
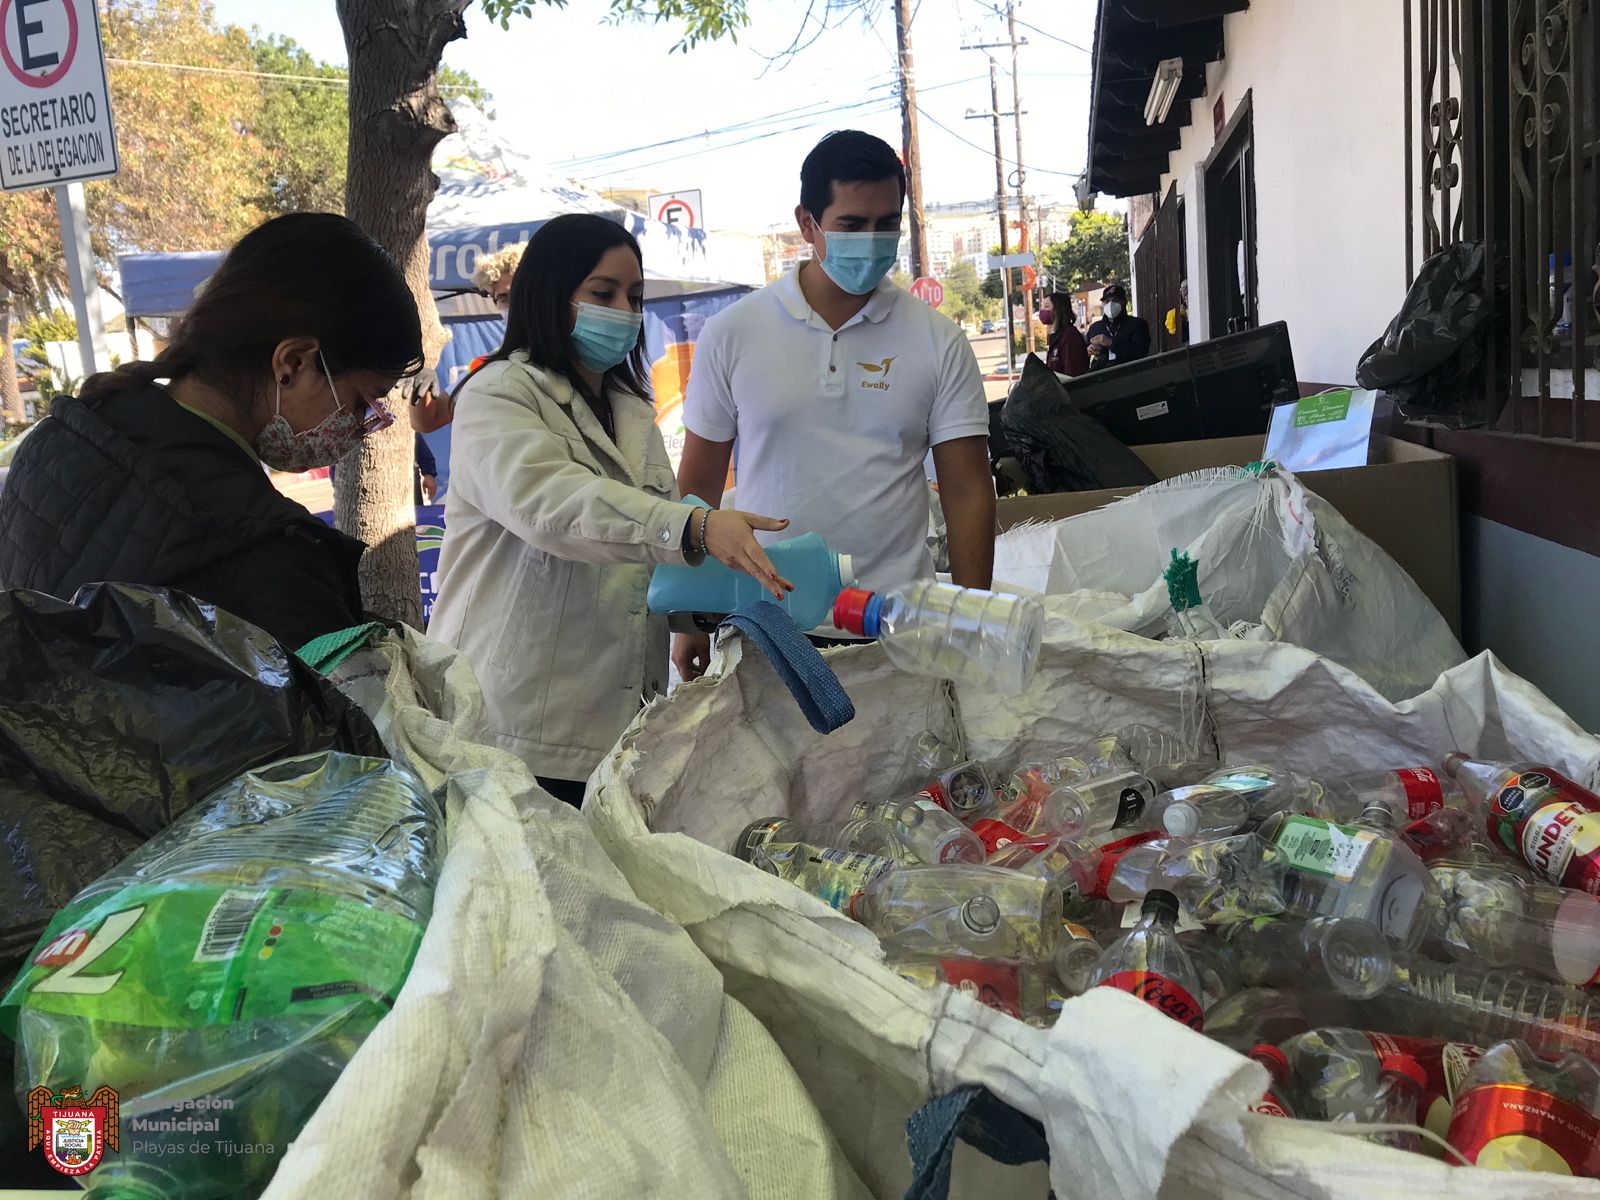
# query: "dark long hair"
302,275
1061,304
559,257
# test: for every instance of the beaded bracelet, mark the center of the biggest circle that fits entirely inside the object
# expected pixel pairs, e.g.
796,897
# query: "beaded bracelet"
704,521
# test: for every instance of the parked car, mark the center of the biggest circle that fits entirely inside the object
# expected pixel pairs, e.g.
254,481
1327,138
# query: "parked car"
987,327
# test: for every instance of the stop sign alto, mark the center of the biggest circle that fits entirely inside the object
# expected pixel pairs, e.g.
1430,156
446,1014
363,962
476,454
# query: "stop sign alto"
928,290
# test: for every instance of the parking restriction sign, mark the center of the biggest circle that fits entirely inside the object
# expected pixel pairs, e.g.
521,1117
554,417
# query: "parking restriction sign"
55,105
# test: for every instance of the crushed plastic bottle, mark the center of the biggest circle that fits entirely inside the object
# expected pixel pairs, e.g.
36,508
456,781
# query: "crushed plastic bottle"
1494,916
1150,963
961,911
988,639
1539,815
1228,879
1517,1112
868,835
1206,810
926,831
221,976
1347,954
1408,794
964,790
830,874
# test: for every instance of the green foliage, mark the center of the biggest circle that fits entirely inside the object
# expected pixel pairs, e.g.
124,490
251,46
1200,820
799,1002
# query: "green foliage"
304,127
1096,250
702,20
57,325
963,293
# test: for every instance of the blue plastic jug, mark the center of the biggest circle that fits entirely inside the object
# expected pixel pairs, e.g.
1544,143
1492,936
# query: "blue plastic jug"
818,575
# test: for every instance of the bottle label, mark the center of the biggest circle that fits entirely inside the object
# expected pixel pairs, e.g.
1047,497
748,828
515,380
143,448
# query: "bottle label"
1270,1106
1444,1063
935,792
1323,848
997,835
1078,933
1111,854
1161,993
1184,924
1553,824
1423,793
844,874
998,985
1513,1127
1130,807
185,955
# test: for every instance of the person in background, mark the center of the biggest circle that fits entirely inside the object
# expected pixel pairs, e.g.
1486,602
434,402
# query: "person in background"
836,384
1067,353
153,473
426,486
561,500
494,274
1117,337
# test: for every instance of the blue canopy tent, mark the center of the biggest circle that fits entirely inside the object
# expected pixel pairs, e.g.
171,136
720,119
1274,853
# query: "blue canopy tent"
492,194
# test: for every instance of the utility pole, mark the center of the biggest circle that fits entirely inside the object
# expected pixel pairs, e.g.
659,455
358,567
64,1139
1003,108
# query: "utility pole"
910,150
993,115
1028,306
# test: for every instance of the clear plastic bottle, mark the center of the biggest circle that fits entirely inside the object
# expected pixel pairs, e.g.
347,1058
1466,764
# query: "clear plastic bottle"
1346,954
1163,758
1071,865
1476,1004
1219,977
1076,953
1227,879
964,790
1516,1112
1400,1083
1098,806
1204,810
1149,962
1274,1015
221,977
1539,815
831,875
1409,794
928,628
1303,794
930,756
868,835
1272,1103
1334,1075
961,911
927,833
1494,916
1348,871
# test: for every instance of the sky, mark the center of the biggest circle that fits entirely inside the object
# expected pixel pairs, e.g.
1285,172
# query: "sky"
575,92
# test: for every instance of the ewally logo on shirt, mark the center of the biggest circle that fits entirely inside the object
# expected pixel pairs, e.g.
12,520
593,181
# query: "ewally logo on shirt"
880,369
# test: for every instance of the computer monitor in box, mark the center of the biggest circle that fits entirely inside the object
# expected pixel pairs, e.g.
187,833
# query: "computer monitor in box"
1222,388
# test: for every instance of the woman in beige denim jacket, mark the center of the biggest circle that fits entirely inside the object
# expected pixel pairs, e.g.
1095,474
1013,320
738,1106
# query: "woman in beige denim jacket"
561,501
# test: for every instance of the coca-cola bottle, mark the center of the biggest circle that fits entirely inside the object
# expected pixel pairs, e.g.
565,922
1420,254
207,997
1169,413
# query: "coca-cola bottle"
1449,833
1272,1103
1150,963
1539,815
1408,794
927,833
1517,1112
1347,954
961,911
1495,916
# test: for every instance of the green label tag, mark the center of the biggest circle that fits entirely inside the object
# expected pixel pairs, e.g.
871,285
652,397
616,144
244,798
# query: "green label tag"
169,955
1320,410
1323,848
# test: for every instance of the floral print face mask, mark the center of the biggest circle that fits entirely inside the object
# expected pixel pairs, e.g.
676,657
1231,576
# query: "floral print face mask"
282,449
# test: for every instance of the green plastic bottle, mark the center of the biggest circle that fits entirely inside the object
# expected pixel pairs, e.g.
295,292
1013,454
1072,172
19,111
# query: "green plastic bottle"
222,975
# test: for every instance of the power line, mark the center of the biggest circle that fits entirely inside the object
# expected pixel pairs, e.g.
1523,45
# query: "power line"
1055,37
337,81
987,152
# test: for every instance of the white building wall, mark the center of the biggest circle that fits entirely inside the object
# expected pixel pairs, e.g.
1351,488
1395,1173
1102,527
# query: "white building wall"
1327,97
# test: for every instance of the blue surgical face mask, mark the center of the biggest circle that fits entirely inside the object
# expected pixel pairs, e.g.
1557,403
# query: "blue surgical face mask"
857,262
603,337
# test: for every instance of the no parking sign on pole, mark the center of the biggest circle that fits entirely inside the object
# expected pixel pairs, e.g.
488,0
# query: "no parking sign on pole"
682,209
56,130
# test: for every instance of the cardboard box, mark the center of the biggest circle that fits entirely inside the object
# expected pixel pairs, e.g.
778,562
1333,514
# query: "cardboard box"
1405,502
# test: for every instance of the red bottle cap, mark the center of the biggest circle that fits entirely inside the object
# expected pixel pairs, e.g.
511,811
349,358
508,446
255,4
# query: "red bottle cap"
1274,1060
1404,1064
850,611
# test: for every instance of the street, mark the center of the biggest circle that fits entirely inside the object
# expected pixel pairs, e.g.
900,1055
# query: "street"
991,351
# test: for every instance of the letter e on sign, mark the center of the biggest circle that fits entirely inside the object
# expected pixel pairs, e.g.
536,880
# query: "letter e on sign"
55,106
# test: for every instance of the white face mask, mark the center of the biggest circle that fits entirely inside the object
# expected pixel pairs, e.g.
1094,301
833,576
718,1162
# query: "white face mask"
1113,309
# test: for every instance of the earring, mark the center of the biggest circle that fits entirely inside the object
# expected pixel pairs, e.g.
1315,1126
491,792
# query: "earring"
284,380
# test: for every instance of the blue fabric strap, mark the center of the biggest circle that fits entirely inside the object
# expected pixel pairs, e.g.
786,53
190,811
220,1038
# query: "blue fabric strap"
811,681
976,1117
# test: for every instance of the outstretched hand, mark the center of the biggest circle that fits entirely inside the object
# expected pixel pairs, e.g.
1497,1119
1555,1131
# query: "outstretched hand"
730,539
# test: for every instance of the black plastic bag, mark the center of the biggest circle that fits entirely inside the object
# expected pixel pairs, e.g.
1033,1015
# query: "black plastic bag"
1429,360
118,712
1061,448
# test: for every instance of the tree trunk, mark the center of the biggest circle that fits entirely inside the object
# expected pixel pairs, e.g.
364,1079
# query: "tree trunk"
397,117
12,411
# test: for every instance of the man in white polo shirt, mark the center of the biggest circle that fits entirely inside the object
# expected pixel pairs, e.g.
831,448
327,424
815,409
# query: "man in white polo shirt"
836,383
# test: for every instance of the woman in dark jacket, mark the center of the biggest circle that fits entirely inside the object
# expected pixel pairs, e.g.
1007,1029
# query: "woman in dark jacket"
1068,353
154,473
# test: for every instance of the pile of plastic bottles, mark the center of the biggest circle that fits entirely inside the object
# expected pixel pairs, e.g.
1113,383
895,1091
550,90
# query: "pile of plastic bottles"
1408,949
